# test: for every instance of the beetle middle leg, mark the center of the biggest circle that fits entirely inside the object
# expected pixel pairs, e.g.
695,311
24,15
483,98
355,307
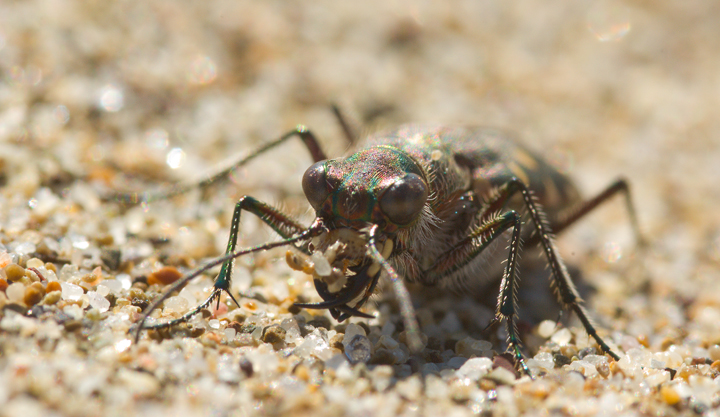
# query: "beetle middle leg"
561,282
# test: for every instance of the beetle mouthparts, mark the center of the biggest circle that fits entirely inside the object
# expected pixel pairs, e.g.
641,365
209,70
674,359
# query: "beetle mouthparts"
357,291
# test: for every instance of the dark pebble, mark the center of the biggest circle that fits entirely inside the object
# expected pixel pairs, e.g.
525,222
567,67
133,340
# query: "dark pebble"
72,325
320,321
139,302
561,360
382,357
246,367
274,334
16,308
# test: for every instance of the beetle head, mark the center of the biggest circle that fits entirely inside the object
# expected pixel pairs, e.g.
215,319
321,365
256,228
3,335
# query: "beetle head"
380,185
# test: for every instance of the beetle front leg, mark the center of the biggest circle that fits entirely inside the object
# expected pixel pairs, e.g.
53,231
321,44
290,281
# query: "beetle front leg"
276,219
469,249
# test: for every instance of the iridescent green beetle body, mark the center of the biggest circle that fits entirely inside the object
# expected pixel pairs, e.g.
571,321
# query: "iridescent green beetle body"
431,204
460,162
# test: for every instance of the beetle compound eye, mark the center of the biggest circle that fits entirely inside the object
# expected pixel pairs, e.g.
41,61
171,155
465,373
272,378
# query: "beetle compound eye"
314,184
402,202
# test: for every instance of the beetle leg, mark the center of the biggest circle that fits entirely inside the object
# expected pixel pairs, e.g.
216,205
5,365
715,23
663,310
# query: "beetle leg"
561,282
467,249
277,220
578,211
471,247
308,139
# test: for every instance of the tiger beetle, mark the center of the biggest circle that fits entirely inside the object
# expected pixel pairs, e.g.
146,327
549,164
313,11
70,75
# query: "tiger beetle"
426,204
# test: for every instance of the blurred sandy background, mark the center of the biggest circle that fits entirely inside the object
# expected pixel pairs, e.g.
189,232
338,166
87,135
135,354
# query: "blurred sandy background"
170,90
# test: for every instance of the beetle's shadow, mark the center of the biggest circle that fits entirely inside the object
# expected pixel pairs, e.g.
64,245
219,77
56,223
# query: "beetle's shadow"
448,314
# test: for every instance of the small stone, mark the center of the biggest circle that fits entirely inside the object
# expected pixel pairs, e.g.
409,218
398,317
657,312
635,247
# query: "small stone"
456,362
93,314
53,286
34,263
113,285
382,357
93,277
562,337
569,350
16,307
71,292
230,333
410,388
546,329
469,347
460,390
351,331
72,324
359,349
14,272
246,367
274,334
501,376
98,301
714,352
3,284
698,361
15,292
164,276
139,384
603,369
52,298
543,360
33,294
320,321
431,368
583,367
387,342
140,302
586,351
475,368
336,342
176,304
668,359
561,360
501,362
658,378
669,395
102,290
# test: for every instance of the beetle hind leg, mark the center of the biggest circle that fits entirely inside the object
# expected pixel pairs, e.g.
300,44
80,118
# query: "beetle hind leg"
561,282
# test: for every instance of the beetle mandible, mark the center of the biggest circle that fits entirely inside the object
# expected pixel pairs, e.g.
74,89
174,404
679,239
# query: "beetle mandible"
420,203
